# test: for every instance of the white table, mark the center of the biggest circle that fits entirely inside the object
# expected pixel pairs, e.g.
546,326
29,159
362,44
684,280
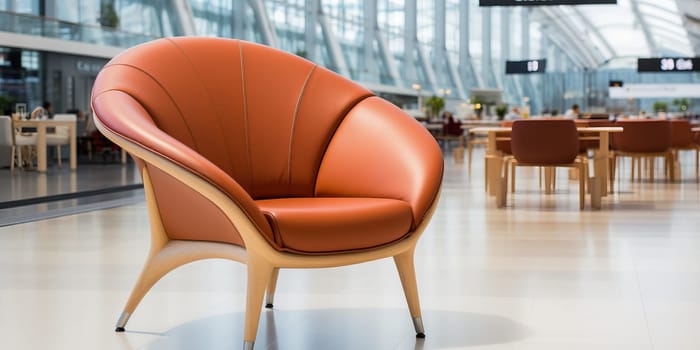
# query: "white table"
41,126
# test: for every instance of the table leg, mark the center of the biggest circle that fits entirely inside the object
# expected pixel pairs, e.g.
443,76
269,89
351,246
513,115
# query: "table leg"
601,162
73,147
41,148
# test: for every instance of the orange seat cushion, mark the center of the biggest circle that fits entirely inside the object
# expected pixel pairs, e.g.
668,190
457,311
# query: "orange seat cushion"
326,225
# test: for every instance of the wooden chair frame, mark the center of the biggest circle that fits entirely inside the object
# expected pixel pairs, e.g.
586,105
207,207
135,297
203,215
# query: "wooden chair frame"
263,261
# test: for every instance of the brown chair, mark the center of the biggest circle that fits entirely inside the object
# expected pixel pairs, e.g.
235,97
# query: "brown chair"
548,143
682,139
258,156
643,139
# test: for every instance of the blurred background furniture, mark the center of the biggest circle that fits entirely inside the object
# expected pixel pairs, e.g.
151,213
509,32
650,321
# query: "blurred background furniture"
643,139
682,140
548,143
62,134
16,141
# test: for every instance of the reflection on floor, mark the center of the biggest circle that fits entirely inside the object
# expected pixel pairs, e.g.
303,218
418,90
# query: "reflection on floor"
30,195
538,274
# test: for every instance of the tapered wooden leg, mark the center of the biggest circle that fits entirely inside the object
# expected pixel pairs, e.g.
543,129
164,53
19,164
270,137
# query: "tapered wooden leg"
58,155
652,160
259,274
158,265
697,164
407,274
12,159
581,185
271,287
512,180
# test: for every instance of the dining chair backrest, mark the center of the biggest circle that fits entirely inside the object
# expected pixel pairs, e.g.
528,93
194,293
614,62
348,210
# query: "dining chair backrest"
6,132
681,134
64,130
642,135
545,141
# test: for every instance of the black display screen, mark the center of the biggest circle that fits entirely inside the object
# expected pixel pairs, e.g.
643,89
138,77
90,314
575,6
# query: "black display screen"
526,67
669,64
543,2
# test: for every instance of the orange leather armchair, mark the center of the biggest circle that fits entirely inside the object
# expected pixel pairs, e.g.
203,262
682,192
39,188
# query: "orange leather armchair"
255,155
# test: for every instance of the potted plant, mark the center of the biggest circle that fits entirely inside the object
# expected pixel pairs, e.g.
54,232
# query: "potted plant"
501,111
682,103
660,106
6,105
435,104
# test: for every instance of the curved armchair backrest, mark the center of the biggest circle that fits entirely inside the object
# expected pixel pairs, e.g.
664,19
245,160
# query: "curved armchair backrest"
545,141
681,133
258,123
642,135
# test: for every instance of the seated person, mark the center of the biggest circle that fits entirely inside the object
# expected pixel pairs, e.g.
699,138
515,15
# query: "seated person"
44,111
572,113
452,127
513,114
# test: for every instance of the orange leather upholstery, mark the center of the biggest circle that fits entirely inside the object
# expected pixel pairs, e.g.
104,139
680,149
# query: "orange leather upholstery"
545,141
261,124
322,225
643,135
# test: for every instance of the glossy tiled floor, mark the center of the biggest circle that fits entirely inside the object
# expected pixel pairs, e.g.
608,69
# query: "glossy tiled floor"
539,274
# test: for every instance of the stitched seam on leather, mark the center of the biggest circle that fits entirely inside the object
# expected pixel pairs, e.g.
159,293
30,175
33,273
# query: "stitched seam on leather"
208,93
294,123
192,170
165,91
331,134
246,126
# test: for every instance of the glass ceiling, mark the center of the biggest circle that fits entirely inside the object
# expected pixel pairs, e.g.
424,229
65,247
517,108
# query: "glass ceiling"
618,34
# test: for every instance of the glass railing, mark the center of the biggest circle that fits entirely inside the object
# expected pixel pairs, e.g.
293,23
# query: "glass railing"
52,28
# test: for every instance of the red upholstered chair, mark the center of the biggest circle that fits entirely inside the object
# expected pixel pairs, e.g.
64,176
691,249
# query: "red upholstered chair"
643,139
255,155
682,139
548,143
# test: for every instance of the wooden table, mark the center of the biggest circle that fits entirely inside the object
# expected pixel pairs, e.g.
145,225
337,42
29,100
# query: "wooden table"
41,126
495,158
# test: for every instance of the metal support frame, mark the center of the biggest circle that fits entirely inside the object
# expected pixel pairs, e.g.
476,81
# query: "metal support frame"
486,57
427,67
185,17
410,41
589,26
466,67
238,20
264,25
389,62
653,50
369,64
334,49
310,21
570,36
